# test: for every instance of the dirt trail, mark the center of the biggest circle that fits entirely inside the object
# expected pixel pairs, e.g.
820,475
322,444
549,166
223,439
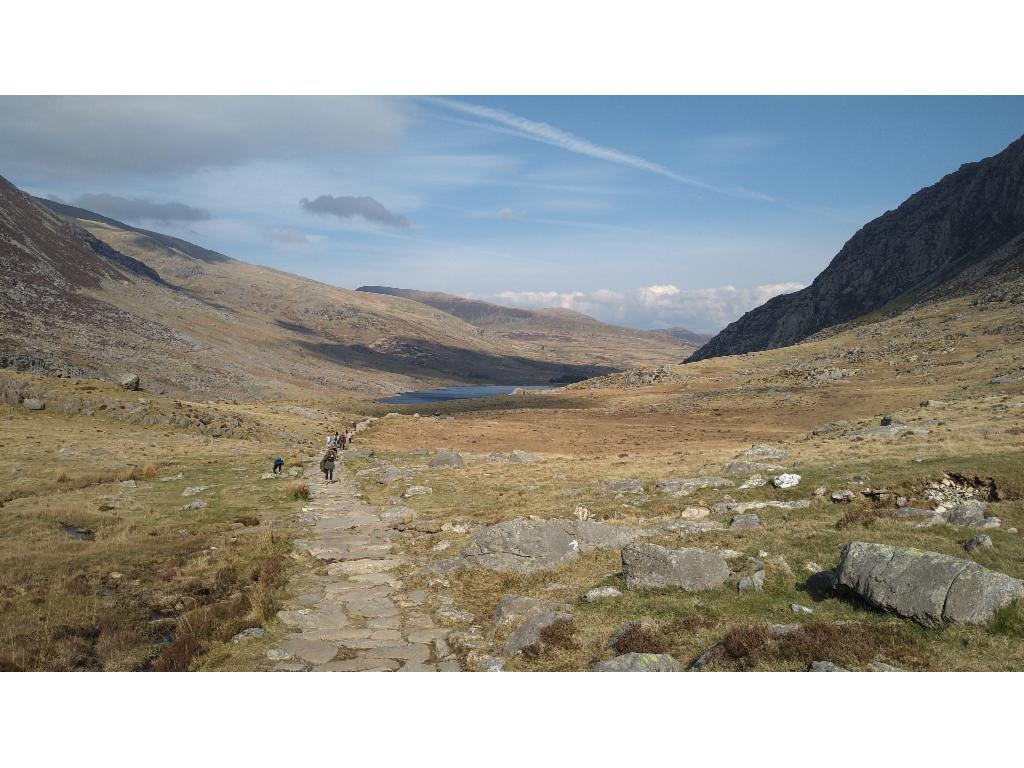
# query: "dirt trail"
357,617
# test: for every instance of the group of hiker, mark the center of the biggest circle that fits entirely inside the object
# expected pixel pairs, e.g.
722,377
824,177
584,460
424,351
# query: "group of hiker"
335,442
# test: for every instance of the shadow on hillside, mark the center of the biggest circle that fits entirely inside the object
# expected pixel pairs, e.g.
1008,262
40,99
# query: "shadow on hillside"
417,356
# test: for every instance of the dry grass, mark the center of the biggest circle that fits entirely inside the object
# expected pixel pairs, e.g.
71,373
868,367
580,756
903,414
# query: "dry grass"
297,490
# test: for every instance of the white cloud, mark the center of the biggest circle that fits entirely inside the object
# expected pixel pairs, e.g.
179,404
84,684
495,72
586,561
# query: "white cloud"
506,122
655,306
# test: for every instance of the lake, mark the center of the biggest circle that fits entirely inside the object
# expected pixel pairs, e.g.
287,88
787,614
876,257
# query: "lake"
456,393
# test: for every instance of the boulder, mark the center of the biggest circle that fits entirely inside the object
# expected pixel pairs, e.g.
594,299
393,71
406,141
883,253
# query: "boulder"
648,566
515,610
688,485
639,662
526,546
192,505
754,582
801,610
825,666
253,633
529,634
746,506
601,593
931,588
521,457
129,381
787,480
754,481
978,542
745,522
444,459
33,404
843,497
417,490
762,451
969,514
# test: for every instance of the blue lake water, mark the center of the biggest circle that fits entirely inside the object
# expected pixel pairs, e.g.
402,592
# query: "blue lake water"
455,393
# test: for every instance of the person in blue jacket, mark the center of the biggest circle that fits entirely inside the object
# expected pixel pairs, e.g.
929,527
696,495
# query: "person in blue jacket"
278,465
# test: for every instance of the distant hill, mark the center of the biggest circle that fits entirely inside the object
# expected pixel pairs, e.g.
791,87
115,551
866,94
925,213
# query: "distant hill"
685,334
940,240
555,333
85,295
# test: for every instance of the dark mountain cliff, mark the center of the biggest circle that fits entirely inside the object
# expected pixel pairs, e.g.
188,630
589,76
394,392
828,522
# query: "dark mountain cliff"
928,241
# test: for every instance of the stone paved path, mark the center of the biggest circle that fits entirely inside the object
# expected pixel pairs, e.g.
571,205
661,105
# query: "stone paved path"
357,617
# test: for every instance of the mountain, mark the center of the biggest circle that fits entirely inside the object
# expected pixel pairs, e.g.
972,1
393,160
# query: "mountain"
968,224
685,334
85,295
553,334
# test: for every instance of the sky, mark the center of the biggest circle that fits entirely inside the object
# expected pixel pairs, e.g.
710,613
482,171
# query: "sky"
651,212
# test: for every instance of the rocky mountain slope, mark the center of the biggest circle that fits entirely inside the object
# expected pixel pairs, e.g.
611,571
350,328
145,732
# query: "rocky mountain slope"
554,334
85,295
963,227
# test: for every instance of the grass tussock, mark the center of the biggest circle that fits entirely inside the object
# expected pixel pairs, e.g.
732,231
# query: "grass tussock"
221,620
297,490
1008,620
559,635
862,517
848,645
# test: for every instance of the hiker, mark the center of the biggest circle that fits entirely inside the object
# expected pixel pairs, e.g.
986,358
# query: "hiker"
343,441
278,465
327,465
331,440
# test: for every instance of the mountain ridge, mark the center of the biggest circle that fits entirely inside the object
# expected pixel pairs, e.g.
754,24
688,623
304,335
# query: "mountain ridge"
928,240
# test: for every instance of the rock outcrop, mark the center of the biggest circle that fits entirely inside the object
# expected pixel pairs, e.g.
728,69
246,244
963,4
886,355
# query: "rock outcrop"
526,546
964,221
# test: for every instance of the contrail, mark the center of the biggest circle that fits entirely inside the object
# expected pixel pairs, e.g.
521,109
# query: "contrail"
549,134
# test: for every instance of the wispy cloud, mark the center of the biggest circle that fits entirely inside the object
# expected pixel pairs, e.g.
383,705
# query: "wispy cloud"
655,306
507,122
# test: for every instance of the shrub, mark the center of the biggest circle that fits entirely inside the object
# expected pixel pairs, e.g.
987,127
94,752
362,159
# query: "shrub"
847,644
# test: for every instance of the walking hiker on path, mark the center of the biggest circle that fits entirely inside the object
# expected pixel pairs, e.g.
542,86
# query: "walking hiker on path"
278,465
327,465
343,441
332,439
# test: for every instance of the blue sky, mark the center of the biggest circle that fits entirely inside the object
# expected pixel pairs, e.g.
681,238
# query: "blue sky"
645,211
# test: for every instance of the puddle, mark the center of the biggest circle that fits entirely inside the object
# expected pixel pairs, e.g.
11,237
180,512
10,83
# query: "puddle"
76,533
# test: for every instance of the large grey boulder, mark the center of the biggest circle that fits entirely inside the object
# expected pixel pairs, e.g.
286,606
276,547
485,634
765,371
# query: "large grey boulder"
444,459
129,381
529,635
33,404
639,662
648,566
928,587
515,610
965,514
526,546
